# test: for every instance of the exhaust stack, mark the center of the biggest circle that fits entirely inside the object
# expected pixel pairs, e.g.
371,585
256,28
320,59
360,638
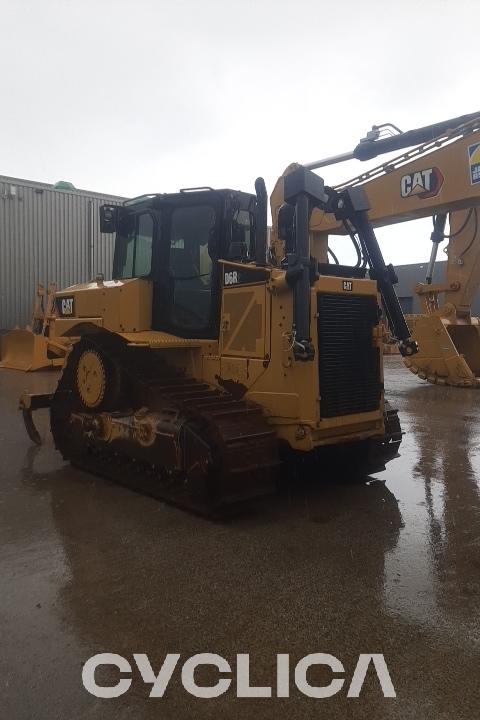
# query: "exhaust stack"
261,222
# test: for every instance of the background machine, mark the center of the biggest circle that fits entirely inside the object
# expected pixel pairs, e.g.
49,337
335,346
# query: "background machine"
439,177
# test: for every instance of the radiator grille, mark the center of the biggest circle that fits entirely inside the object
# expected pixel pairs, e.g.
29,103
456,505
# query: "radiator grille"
349,364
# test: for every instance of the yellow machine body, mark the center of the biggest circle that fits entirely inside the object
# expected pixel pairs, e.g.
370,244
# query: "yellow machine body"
252,358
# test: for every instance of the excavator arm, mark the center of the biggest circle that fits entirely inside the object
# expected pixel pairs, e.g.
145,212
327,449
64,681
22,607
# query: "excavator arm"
435,178
439,177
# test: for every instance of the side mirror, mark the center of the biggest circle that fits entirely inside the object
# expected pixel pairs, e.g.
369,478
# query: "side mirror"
108,218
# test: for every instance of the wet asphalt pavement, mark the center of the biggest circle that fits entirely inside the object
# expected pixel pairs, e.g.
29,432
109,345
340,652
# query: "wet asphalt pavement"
391,567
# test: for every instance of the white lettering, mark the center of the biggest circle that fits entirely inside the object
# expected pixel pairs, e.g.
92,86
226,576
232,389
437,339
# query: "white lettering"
244,689
283,675
318,659
161,680
417,179
67,306
102,691
427,178
188,672
382,674
421,182
231,278
405,185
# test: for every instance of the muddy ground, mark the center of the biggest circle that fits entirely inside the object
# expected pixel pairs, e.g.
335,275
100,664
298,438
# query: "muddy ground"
388,567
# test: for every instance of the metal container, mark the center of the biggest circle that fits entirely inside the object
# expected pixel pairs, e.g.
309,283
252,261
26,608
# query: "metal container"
47,233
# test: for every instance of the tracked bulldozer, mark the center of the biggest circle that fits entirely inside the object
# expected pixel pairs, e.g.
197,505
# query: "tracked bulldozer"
35,347
439,177
203,367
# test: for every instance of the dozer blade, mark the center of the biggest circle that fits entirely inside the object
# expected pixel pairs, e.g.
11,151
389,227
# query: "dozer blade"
28,403
449,354
23,350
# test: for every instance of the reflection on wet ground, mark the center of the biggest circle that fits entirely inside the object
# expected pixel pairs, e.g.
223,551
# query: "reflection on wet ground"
392,567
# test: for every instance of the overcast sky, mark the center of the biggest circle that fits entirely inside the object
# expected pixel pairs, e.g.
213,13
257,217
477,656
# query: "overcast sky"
128,97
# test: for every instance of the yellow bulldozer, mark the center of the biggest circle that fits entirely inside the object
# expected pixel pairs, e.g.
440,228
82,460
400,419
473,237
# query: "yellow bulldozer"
35,347
439,177
208,362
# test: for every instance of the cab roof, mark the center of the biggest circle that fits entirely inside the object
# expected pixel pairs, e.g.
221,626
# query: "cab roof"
185,195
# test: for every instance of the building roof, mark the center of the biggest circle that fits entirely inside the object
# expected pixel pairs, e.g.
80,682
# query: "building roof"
41,186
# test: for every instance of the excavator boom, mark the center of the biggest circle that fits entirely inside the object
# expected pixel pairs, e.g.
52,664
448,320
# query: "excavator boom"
374,145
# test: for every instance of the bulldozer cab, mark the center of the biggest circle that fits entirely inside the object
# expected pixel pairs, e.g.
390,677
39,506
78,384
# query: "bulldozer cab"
176,241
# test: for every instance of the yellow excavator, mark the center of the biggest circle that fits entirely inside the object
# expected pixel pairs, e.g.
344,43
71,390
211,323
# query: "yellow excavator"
206,363
440,176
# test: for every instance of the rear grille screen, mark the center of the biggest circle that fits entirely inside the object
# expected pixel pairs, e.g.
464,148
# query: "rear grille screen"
349,364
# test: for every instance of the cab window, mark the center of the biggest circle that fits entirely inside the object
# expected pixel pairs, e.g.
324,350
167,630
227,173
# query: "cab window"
133,248
190,266
241,245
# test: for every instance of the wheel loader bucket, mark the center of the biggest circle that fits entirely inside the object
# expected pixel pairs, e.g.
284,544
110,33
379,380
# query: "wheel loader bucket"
449,354
23,350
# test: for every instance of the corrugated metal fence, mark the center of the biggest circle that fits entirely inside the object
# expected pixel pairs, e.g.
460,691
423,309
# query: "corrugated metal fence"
47,235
